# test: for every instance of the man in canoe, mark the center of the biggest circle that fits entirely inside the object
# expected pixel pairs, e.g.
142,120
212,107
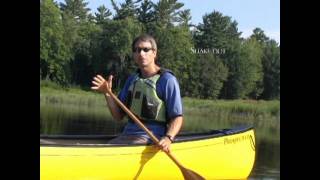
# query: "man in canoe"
152,94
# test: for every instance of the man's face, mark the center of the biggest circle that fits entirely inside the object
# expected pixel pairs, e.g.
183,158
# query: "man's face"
144,55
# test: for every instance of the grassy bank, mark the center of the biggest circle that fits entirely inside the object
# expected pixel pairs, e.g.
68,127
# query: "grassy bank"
50,93
55,94
200,115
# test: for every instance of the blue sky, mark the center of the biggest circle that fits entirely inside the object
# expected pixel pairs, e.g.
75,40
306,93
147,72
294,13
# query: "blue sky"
249,14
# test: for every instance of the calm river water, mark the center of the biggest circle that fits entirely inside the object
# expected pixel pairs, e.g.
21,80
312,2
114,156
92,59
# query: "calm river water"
84,120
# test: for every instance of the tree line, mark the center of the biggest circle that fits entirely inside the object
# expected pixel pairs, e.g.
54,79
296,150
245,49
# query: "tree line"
210,59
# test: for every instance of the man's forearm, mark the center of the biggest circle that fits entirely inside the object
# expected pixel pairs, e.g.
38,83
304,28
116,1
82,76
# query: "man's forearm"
174,126
114,108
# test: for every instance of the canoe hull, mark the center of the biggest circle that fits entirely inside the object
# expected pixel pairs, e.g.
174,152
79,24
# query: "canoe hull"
227,157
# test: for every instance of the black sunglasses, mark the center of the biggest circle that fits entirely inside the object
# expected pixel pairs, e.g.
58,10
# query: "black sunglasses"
138,50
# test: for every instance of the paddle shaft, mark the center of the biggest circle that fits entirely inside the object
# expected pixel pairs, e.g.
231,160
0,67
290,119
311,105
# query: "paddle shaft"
136,120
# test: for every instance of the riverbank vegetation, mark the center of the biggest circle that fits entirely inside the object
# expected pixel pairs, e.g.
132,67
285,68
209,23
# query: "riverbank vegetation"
53,93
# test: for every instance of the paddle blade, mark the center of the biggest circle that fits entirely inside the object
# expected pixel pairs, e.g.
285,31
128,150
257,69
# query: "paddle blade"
190,175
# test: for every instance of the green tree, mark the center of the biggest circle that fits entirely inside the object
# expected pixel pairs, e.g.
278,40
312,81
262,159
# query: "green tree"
79,31
115,49
54,53
220,33
103,14
174,53
82,64
212,74
166,12
145,13
271,66
245,72
217,31
184,18
76,8
259,35
127,9
252,70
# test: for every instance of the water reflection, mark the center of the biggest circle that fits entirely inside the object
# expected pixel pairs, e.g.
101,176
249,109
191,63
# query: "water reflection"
267,164
76,120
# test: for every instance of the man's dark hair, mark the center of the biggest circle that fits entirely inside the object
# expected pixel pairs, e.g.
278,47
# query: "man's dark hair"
145,38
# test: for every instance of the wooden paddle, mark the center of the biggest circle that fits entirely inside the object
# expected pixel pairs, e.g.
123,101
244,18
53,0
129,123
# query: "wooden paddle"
187,173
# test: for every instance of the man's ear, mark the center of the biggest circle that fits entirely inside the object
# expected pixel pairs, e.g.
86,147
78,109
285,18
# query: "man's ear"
155,53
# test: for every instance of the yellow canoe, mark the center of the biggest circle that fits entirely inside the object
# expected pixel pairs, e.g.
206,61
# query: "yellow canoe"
220,154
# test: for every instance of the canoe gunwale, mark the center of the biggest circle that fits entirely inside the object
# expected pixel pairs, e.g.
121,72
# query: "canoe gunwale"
182,137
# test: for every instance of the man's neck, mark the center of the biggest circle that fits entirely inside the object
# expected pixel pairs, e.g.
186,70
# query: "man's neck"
147,72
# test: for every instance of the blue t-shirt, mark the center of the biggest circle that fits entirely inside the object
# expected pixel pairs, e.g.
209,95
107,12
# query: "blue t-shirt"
168,90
